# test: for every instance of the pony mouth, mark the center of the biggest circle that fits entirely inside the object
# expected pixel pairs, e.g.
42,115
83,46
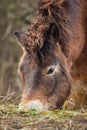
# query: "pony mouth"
36,104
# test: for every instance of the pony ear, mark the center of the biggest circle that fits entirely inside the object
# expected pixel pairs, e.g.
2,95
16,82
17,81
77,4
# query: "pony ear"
53,31
21,39
18,36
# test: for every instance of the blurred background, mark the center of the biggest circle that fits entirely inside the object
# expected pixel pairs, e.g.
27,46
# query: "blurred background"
15,15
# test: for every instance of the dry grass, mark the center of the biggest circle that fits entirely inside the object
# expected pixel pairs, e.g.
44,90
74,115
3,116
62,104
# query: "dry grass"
12,119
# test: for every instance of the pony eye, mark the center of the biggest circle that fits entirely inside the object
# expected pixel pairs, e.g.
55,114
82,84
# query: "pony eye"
50,71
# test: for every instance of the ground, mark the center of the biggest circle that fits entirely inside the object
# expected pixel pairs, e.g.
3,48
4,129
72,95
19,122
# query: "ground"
12,119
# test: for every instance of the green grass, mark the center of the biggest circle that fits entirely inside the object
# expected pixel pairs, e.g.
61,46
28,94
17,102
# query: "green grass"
10,110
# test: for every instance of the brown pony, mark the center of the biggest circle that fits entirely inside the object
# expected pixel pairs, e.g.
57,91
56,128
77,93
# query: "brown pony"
54,62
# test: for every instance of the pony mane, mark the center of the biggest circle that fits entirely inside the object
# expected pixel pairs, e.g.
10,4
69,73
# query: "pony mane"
53,11
47,3
56,11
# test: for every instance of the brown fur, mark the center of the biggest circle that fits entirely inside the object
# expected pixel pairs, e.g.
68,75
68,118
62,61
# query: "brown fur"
69,44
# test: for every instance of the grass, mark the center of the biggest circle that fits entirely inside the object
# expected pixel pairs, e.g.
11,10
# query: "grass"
12,118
